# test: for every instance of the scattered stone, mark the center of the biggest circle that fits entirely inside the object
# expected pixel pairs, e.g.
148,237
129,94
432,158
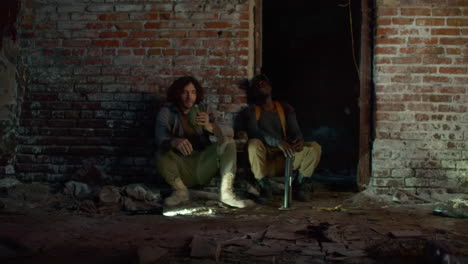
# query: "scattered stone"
285,232
77,190
34,192
110,195
150,254
141,193
8,182
262,251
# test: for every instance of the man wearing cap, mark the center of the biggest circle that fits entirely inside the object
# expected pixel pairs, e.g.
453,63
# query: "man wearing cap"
274,134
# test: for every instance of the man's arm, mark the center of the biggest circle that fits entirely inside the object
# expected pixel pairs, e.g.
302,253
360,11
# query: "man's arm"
164,139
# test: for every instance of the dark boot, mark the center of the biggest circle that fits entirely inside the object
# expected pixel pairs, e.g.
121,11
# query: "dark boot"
302,189
265,191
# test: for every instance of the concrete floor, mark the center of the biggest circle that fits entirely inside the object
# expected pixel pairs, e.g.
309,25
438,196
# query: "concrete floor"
335,227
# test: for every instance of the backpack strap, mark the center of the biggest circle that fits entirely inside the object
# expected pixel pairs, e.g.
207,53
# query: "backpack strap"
279,109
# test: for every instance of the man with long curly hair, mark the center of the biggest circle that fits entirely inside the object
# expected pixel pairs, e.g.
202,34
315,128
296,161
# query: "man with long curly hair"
186,156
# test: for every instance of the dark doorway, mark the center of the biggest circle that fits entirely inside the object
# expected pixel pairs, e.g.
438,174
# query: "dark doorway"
307,53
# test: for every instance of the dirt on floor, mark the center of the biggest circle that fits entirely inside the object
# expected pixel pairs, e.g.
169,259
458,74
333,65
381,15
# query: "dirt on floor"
40,226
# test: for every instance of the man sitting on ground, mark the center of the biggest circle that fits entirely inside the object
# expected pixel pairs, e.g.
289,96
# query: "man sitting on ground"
186,157
274,134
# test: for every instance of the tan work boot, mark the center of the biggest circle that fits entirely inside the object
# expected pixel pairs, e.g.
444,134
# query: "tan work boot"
179,193
227,195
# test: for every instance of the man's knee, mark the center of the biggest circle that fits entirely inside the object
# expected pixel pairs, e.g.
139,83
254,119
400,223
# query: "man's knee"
314,147
255,145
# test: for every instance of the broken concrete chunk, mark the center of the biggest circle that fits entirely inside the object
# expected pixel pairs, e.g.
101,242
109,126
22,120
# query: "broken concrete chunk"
110,195
78,190
150,254
141,193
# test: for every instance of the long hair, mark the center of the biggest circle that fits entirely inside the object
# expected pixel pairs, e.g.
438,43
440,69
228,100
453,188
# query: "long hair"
175,90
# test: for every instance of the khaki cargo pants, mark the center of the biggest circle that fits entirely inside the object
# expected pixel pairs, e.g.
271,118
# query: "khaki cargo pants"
267,161
199,167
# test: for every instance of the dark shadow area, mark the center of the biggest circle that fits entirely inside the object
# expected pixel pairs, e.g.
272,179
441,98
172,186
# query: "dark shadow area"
307,54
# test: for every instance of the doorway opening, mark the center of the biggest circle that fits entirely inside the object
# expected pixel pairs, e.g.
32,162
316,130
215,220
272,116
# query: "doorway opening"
310,52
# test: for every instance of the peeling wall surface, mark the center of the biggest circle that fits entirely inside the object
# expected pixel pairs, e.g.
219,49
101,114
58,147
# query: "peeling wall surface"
421,84
98,68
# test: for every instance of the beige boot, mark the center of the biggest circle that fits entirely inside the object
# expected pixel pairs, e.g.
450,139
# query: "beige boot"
227,195
179,193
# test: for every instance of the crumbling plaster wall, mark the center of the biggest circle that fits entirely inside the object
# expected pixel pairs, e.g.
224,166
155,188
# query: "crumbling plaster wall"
98,68
10,89
421,84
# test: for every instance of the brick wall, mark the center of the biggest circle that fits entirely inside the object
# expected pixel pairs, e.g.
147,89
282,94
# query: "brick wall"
96,69
421,83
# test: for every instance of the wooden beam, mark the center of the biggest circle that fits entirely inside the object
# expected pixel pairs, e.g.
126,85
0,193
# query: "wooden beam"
258,36
365,98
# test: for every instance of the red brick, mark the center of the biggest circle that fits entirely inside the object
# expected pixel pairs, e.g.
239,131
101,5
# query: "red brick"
232,72
445,31
390,41
386,31
115,34
169,52
139,52
427,41
454,41
201,52
220,24
99,26
383,60
154,52
98,61
457,22
124,52
435,79
415,12
131,43
156,25
422,107
436,60
406,60
390,107
143,34
453,51
130,25
452,70
188,42
113,16
76,43
402,21
185,52
385,50
48,43
203,34
144,16
105,43
173,34
430,22
383,21
45,27
446,12
382,11
410,31
452,90
213,43
155,43
220,61
187,61
436,98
